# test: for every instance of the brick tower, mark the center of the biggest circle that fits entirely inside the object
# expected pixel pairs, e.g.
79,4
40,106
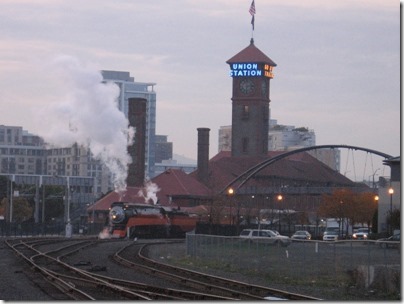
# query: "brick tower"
251,71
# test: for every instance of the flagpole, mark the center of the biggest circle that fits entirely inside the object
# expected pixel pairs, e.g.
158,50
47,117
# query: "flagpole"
252,27
252,12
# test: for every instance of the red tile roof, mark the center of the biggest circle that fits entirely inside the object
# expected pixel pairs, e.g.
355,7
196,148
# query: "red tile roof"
223,168
105,202
251,54
298,167
175,182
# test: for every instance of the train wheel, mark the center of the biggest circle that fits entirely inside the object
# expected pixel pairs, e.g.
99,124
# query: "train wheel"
167,232
132,232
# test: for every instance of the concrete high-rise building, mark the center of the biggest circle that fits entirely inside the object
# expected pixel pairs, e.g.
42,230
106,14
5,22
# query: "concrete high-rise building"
280,138
26,160
287,138
131,89
283,137
20,151
78,161
224,138
164,149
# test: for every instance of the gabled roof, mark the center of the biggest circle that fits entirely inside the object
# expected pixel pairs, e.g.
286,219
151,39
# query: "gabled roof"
223,168
172,183
131,195
175,182
251,54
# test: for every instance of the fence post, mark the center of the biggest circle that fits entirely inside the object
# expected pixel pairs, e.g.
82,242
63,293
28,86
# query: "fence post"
368,264
335,257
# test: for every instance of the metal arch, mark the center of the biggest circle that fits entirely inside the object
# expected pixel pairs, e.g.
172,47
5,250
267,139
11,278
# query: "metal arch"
255,169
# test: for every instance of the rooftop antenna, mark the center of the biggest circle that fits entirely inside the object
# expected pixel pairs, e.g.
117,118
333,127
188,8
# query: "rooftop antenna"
252,12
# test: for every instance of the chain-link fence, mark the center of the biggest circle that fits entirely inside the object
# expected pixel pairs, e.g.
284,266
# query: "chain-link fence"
313,260
46,229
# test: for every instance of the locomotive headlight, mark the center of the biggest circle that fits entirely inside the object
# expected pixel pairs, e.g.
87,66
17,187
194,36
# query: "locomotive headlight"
117,214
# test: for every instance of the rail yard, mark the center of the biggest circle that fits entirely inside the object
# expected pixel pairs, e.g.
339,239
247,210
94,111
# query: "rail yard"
96,269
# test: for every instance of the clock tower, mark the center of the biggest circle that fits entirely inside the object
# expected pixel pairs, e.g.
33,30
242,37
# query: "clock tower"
251,71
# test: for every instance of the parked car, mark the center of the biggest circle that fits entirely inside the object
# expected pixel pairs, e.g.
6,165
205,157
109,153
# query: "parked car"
361,234
331,235
390,242
301,235
266,236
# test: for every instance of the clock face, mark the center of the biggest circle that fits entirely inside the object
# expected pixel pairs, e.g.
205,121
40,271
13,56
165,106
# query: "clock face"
247,86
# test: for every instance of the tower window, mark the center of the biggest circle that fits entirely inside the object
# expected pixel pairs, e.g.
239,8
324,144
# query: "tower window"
245,144
246,112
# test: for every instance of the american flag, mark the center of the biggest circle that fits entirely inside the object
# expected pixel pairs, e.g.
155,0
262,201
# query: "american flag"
252,12
252,8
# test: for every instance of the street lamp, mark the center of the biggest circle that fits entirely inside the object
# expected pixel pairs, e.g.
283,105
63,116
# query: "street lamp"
68,228
391,192
280,198
341,218
230,193
11,197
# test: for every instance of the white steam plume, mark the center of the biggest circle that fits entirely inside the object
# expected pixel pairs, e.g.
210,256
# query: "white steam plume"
149,192
87,114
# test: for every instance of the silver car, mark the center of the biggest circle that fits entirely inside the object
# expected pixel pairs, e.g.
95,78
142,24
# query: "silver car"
301,235
330,236
390,242
361,234
265,236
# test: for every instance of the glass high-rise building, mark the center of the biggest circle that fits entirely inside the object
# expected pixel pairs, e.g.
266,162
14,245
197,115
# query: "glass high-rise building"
131,89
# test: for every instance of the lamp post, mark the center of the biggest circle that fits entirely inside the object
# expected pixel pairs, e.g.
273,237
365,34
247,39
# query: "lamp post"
376,200
341,219
391,192
68,225
43,203
11,197
280,198
230,193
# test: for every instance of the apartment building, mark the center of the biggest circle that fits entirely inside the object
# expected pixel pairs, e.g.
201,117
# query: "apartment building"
20,151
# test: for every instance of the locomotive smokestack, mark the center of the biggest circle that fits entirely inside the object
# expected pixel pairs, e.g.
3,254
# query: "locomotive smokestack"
137,120
203,154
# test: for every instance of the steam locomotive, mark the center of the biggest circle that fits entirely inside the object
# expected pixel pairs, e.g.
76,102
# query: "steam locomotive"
148,221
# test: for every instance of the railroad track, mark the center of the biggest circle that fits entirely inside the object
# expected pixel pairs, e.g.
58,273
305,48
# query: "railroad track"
79,284
55,258
200,281
75,283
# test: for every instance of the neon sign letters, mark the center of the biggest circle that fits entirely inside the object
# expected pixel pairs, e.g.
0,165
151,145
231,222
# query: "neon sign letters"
251,69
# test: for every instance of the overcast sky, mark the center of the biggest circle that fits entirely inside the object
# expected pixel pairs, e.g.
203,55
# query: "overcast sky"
338,62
